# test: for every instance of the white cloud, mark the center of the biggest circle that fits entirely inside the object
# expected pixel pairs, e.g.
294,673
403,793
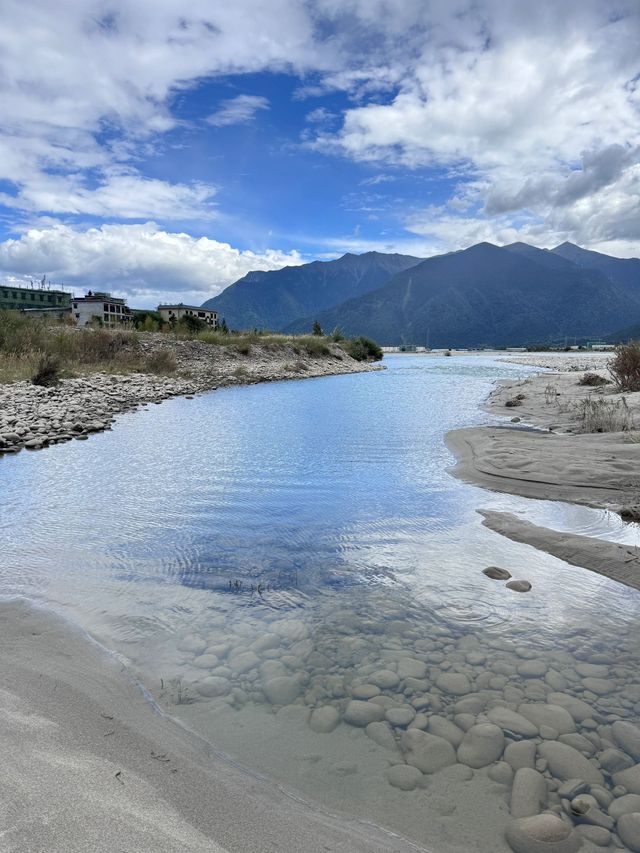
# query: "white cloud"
239,110
141,262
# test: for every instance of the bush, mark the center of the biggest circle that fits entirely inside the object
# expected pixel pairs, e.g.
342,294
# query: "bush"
317,329
363,349
161,362
625,366
604,415
47,372
336,336
314,345
191,324
593,380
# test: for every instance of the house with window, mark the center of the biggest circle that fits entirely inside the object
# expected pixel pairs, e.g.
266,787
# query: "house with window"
41,300
173,313
101,308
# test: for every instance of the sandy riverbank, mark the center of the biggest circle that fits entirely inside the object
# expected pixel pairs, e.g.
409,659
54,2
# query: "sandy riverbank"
90,767
34,417
558,461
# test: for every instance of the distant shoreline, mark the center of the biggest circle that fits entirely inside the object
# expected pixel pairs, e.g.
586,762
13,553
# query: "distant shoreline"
555,462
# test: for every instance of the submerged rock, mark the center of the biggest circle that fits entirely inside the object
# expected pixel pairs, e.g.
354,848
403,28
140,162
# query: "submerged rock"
404,776
427,752
628,827
281,690
543,714
543,833
325,719
528,794
519,586
565,763
360,713
512,722
627,737
455,683
482,744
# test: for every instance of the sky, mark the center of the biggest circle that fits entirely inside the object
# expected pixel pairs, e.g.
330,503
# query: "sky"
161,150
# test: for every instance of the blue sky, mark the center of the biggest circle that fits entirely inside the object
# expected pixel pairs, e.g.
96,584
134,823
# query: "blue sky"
162,152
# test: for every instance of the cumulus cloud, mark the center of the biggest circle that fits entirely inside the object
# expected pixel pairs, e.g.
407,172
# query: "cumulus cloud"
141,262
239,110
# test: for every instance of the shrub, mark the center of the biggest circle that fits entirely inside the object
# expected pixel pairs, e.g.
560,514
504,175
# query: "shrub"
625,366
317,329
314,345
604,415
161,362
47,372
511,404
593,380
336,336
191,324
363,349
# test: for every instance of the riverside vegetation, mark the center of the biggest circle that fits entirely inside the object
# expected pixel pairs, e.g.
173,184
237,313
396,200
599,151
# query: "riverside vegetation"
58,382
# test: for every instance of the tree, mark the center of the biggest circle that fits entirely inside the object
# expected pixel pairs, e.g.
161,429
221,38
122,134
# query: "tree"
317,329
223,327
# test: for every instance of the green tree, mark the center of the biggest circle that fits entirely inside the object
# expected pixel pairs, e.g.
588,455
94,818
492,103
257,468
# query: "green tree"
317,329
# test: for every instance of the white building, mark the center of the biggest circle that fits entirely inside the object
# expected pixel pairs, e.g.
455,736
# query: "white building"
173,313
102,309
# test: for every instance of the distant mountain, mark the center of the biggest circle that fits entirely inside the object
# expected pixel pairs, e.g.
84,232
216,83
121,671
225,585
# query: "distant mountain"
623,270
488,296
273,300
630,333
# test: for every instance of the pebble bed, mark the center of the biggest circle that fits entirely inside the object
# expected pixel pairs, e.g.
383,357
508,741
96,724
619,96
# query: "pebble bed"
553,727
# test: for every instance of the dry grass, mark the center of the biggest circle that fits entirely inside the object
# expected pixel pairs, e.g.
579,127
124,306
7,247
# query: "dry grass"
604,415
625,367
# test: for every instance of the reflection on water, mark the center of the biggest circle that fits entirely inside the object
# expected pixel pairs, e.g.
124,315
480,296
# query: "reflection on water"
292,571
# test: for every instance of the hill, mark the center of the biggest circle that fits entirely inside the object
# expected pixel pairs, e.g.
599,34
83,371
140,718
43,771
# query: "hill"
488,296
273,300
623,270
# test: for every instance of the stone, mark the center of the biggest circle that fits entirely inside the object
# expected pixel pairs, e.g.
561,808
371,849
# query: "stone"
528,794
624,805
629,779
599,686
442,727
464,721
512,723
501,773
543,833
627,737
496,573
411,668
592,670
628,828
243,662
386,679
281,690
213,685
614,760
579,742
192,643
481,745
455,683
521,754
358,713
597,835
404,776
532,669
427,752
544,714
206,661
382,734
365,691
401,716
324,720
565,763
578,709
519,586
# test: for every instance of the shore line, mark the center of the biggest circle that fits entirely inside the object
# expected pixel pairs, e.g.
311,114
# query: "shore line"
555,461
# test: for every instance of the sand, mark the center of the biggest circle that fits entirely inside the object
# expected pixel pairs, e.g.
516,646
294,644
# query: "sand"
547,456
88,766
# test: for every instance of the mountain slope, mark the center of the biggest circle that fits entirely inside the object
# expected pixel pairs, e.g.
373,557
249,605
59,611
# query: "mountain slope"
273,300
623,270
488,296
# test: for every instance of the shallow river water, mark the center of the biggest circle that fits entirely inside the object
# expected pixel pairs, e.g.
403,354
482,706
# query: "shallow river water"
292,572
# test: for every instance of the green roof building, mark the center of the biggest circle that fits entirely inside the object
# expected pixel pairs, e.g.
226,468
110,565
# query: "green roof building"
20,298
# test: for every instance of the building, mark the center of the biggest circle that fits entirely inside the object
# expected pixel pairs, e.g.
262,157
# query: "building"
173,313
35,300
102,309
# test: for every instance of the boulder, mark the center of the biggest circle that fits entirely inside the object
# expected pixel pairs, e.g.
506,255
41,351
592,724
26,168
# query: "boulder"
566,763
628,827
512,723
455,683
519,586
427,752
543,833
481,745
521,754
544,714
324,720
578,709
213,685
404,776
624,805
528,793
385,679
496,573
281,690
629,779
627,736
360,713
442,727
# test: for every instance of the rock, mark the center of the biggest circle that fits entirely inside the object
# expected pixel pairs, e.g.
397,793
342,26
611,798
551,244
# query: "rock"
578,709
512,723
444,728
597,835
411,668
213,685
386,679
501,773
519,586
592,670
192,643
543,833
404,776
453,682
324,720
629,779
427,752
382,734
528,794
243,662
579,742
281,690
614,760
365,691
532,669
543,714
572,788
624,805
206,661
565,763
464,721
400,716
521,754
627,736
481,745
599,686
360,713
496,574
628,828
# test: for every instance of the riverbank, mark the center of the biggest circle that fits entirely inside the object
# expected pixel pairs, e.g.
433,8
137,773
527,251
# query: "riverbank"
563,458
90,766
33,417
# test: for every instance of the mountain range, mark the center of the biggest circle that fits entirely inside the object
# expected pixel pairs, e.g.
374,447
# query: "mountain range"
481,296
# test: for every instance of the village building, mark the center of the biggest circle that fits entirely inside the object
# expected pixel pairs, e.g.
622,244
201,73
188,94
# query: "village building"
38,300
173,313
101,309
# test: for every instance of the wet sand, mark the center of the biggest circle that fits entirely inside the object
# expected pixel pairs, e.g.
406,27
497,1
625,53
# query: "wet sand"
88,766
555,460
